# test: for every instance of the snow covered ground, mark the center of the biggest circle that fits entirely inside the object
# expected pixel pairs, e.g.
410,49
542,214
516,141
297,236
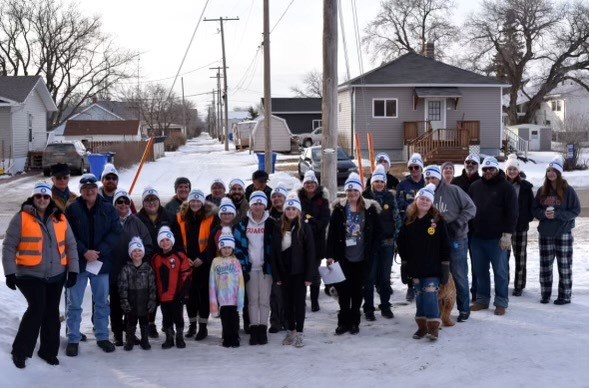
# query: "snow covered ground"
532,345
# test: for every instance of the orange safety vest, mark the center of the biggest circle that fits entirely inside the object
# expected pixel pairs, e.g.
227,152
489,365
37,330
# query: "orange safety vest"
204,232
29,252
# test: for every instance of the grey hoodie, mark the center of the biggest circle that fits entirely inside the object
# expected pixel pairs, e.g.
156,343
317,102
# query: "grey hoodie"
50,265
456,208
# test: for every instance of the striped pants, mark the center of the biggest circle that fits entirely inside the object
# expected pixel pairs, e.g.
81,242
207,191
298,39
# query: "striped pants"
519,244
562,248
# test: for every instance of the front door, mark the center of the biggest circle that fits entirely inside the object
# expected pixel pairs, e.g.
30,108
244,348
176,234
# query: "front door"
534,144
435,112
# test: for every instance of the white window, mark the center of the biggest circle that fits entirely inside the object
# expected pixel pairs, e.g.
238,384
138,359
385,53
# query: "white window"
384,107
316,124
558,105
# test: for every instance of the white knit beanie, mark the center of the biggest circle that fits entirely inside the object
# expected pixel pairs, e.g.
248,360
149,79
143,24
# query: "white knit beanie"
293,201
353,182
429,191
136,243
512,162
165,232
379,174
415,160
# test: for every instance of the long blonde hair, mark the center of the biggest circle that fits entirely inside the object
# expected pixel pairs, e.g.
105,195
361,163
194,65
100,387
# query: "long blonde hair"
286,224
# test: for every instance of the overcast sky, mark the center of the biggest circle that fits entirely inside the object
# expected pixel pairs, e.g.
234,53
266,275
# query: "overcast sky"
161,30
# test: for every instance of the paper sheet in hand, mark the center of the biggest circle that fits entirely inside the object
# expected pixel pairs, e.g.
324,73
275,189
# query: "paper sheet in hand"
94,267
332,274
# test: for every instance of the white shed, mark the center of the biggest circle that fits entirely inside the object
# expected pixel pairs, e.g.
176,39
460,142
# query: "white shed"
280,133
242,133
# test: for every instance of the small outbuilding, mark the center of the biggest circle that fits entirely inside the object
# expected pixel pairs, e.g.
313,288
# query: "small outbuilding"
539,137
280,133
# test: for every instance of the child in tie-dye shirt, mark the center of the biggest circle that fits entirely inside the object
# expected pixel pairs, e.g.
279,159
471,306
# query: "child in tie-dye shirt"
227,289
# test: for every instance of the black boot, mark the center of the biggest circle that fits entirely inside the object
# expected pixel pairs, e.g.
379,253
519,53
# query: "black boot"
153,331
144,337
169,342
254,335
118,338
180,344
19,361
202,332
130,340
191,330
315,298
262,335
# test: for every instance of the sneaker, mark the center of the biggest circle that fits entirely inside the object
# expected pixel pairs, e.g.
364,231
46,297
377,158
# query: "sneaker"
106,346
290,338
499,310
517,292
298,340
51,360
387,313
153,331
370,316
560,301
354,329
71,350
410,296
478,307
18,361
462,316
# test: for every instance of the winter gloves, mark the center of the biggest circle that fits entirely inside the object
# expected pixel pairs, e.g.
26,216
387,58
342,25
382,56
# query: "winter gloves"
505,242
11,281
454,227
404,275
445,272
72,278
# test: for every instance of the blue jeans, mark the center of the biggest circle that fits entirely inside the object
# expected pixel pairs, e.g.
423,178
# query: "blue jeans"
459,270
100,287
426,298
379,276
485,252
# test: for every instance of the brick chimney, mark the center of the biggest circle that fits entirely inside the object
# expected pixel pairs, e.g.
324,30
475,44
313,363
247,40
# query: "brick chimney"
428,50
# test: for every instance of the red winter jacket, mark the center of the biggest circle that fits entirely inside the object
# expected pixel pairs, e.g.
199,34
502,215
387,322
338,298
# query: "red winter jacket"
172,275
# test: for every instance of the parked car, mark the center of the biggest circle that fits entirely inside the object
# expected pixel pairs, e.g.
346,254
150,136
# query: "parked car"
72,153
308,139
310,159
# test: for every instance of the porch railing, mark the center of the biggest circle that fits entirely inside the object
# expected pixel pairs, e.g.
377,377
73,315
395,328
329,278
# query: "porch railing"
439,139
414,129
521,146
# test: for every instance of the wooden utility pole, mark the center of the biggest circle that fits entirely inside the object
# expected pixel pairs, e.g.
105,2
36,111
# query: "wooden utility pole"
183,108
329,101
226,132
213,109
219,102
267,91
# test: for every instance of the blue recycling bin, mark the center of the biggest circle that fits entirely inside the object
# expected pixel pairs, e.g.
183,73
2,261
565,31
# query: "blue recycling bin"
97,162
262,161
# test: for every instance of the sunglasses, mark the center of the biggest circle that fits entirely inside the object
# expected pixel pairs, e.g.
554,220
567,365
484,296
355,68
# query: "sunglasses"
470,163
88,181
123,201
39,196
110,178
414,168
486,169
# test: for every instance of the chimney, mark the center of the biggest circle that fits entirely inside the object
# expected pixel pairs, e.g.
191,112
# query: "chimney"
428,50
94,99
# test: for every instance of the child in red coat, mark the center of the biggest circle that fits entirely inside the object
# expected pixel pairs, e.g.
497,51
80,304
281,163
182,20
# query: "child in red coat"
172,275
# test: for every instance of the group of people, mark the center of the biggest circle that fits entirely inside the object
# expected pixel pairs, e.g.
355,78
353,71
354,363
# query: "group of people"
255,250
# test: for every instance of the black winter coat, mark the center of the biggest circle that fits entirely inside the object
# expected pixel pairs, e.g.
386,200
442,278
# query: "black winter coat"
316,214
132,227
464,181
299,258
390,218
162,219
137,289
497,209
336,235
525,202
424,252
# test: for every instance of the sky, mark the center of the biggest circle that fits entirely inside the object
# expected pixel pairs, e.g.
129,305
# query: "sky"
160,31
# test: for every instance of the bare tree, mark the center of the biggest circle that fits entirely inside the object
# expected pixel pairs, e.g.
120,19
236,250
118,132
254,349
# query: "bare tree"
312,85
403,26
537,41
70,50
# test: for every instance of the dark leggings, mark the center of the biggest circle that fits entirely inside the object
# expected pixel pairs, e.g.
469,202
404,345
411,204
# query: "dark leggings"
230,324
198,299
172,314
294,292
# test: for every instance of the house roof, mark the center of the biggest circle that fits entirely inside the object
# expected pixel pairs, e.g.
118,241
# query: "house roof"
295,104
413,69
95,127
17,89
123,109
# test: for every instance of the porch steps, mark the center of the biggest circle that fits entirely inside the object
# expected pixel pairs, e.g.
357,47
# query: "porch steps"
34,160
446,154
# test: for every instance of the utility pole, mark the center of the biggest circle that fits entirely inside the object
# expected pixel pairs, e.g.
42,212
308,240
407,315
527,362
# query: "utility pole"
214,110
267,91
219,102
226,132
329,102
183,108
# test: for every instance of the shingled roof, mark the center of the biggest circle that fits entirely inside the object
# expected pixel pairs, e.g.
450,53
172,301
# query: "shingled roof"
413,69
96,127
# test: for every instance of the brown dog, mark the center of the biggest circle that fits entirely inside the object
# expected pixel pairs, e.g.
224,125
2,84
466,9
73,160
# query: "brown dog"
446,300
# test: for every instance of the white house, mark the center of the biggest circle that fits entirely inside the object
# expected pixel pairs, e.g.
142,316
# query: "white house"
566,102
25,103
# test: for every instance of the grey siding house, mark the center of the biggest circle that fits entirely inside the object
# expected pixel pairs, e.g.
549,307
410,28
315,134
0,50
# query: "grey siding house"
303,115
24,106
402,101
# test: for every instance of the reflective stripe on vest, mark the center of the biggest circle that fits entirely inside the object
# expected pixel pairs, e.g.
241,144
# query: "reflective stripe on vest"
204,232
29,252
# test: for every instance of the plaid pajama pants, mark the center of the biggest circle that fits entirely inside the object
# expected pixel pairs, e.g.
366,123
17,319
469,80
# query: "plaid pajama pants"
519,244
562,248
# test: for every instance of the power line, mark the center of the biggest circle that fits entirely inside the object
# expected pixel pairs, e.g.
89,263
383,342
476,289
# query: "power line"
281,16
171,77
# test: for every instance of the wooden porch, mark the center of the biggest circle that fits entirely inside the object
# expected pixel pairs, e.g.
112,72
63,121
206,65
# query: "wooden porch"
441,145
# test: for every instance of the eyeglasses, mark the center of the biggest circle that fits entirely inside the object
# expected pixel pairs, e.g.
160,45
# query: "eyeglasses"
39,196
123,201
470,163
488,169
414,168
110,178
